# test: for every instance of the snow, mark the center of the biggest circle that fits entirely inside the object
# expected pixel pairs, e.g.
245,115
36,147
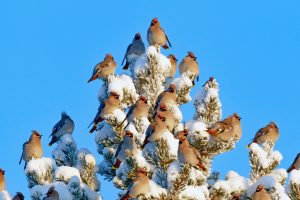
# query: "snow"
172,143
66,173
192,192
173,172
141,125
236,182
62,190
105,132
156,190
295,176
221,185
102,94
4,195
117,114
66,140
87,155
265,158
196,126
163,62
122,84
176,113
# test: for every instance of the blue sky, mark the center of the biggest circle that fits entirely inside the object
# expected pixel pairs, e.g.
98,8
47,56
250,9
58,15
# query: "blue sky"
48,50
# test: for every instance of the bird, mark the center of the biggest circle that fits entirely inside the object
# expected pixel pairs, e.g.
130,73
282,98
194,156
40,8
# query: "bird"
137,47
189,63
32,148
108,105
156,35
295,164
104,69
261,194
235,121
138,110
188,154
139,185
167,116
222,132
211,79
52,194
126,148
268,133
18,196
235,196
64,126
154,131
173,61
167,97
2,180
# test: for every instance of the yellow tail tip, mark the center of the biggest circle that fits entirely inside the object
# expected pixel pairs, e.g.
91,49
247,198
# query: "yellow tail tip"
114,168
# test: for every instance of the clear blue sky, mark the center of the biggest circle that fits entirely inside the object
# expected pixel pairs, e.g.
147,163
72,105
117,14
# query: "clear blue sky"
48,50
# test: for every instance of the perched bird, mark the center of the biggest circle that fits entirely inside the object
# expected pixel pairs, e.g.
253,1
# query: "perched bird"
156,35
167,116
267,133
295,164
235,121
189,63
139,185
173,61
104,69
52,194
2,180
154,131
137,47
188,154
18,196
138,110
64,126
126,148
32,148
106,107
261,194
211,79
222,132
167,97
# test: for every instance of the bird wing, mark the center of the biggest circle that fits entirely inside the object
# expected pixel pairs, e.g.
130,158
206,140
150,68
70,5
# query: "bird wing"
57,126
23,151
166,37
149,131
118,150
158,99
104,64
260,133
100,108
127,50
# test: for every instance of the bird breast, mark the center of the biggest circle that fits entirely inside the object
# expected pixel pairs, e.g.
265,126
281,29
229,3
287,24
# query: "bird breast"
156,36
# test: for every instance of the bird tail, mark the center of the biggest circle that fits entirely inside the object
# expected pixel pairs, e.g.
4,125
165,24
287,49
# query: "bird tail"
212,132
168,41
201,166
90,124
126,66
21,159
93,128
165,46
116,165
94,77
126,196
145,143
290,168
25,165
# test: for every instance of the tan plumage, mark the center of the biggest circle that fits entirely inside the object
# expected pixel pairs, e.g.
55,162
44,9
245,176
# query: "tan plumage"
156,35
167,116
126,148
155,131
173,61
2,180
189,63
261,194
188,154
268,133
32,148
222,132
108,106
52,194
295,164
167,97
104,69
235,121
140,185
18,196
139,110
